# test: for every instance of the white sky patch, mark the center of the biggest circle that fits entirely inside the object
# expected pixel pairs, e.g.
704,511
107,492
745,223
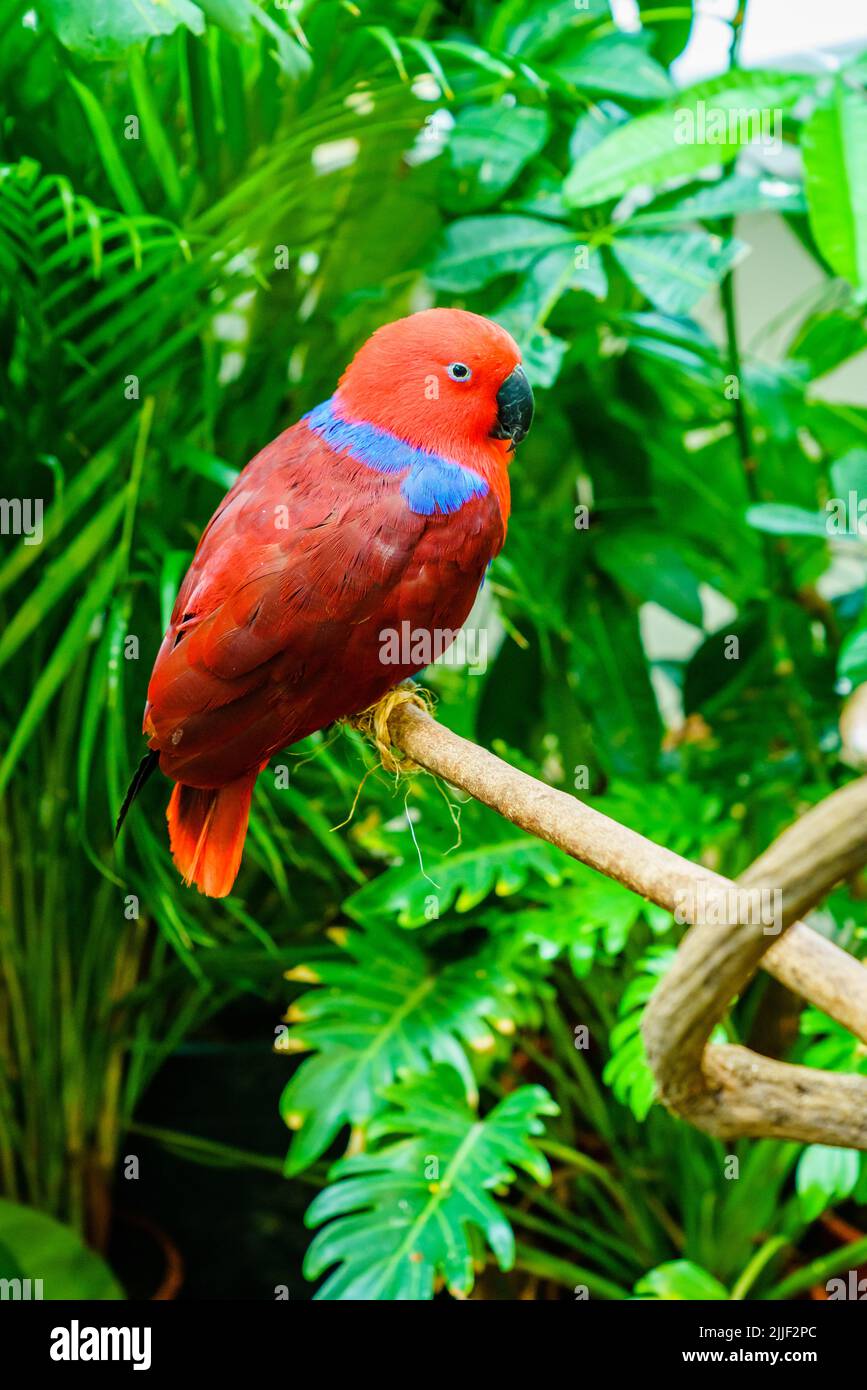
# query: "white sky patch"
335,154
808,35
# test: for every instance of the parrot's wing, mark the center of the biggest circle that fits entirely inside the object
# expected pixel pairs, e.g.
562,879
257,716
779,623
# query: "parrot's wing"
305,545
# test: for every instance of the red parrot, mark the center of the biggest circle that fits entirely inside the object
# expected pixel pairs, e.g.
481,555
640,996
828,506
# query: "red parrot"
384,505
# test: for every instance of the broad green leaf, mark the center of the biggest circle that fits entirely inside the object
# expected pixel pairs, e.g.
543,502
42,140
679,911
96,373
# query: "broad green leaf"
849,474
669,29
825,1176
833,141
680,1279
651,568
852,661
475,250
489,146
464,878
675,270
386,1007
780,519
399,1215
593,126
706,124
727,198
532,28
94,29
525,311
828,338
39,1248
618,64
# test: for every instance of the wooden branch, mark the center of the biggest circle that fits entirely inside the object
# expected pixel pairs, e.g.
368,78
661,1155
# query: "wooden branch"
726,1090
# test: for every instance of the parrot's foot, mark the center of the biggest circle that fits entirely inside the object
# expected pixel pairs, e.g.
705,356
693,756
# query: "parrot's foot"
373,723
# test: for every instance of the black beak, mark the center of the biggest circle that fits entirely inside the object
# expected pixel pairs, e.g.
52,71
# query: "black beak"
514,408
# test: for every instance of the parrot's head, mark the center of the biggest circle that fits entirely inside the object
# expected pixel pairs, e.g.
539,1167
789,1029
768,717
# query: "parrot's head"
444,380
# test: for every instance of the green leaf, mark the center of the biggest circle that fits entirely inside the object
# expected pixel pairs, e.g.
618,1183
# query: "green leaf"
115,167
727,198
618,64
852,661
37,1247
611,681
652,568
680,1279
849,474
627,1070
532,28
524,312
65,654
825,1176
78,557
780,519
681,138
833,142
399,1216
97,30
675,271
593,127
386,1007
475,250
464,878
489,147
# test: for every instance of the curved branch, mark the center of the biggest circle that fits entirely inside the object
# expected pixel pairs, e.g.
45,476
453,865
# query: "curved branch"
725,1090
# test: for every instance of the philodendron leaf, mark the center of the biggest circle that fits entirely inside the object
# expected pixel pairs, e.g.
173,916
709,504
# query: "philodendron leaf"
680,1279
386,1006
833,142
706,124
675,270
398,1217
627,1070
36,1247
463,878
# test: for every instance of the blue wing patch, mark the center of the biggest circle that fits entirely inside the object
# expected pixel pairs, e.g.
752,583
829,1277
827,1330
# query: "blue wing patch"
432,484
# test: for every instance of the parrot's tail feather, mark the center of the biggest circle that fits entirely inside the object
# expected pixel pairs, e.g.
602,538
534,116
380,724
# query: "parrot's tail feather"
147,765
207,830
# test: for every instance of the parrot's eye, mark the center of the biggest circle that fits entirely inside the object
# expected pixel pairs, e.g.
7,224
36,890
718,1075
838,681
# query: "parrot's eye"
458,371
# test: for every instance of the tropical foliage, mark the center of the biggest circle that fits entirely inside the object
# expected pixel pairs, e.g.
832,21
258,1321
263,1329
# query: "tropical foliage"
204,208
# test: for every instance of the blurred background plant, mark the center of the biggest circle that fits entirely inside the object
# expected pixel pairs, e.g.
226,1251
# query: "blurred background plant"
204,209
